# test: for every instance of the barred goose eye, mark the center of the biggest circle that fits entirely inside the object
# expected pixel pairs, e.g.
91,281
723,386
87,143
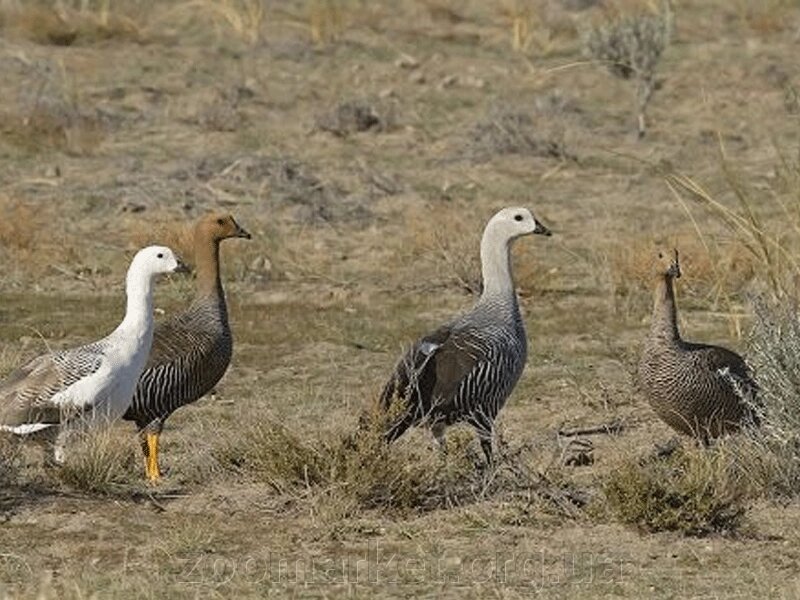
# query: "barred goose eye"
518,217
160,255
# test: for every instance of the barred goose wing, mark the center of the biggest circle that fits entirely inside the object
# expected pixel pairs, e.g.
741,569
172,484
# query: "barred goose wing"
727,365
432,373
26,395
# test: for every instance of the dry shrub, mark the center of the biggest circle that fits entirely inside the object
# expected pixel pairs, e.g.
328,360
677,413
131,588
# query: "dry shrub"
529,131
99,462
694,490
326,20
630,44
775,355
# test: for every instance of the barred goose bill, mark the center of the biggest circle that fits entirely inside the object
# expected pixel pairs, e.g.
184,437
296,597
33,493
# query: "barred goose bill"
68,389
700,390
192,350
465,370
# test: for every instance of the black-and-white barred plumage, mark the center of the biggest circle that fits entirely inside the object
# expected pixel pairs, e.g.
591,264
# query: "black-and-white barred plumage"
191,353
462,372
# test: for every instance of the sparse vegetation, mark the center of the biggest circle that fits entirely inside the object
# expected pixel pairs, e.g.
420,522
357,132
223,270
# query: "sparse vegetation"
365,236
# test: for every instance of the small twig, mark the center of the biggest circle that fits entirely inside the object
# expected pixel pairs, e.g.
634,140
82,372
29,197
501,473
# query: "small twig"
610,428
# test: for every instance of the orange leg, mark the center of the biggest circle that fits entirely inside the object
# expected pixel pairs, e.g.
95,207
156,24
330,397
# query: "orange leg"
151,459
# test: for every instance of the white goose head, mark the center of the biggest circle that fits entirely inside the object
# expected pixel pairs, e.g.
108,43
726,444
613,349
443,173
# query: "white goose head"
154,260
503,228
513,222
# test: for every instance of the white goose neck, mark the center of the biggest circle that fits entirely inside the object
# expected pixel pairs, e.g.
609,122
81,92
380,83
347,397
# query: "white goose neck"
139,310
498,282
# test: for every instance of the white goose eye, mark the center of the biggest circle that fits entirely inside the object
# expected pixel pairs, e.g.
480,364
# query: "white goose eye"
160,255
518,217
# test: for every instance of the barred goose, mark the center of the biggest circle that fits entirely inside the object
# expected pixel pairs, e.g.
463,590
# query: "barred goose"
64,391
699,390
192,350
465,370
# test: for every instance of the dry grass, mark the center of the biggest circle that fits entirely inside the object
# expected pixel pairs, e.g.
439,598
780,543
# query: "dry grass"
100,461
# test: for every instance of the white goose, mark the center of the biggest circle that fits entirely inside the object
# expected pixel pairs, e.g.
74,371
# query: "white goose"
57,393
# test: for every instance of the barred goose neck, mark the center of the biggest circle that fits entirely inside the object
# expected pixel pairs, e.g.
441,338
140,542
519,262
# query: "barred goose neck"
206,255
664,325
498,282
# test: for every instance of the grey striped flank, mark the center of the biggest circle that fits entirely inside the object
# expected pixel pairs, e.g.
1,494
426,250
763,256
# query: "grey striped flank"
465,370
700,390
192,350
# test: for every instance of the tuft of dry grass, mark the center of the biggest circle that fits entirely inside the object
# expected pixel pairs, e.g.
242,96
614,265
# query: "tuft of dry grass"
99,462
65,24
772,244
696,491
244,18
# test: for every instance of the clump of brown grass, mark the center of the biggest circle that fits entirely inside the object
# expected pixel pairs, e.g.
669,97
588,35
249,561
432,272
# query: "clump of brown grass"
630,45
716,271
99,462
326,20
533,26
696,491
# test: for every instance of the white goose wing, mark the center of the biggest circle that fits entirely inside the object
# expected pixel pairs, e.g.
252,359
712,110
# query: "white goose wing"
27,394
